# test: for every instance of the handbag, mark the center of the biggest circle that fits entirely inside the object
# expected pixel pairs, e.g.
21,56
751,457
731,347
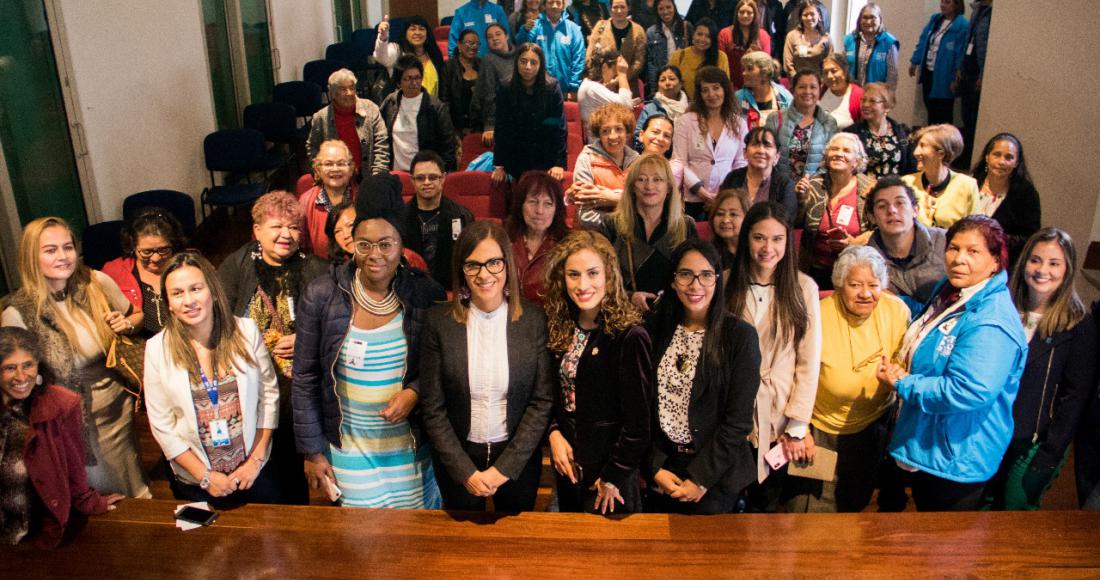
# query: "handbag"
127,358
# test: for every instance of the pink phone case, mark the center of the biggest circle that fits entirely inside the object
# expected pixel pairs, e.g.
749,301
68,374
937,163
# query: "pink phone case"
776,457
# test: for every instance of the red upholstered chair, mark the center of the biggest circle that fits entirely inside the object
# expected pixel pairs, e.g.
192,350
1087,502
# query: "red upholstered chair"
442,32
823,294
305,183
570,209
573,146
573,120
472,147
471,189
415,260
704,231
638,110
408,190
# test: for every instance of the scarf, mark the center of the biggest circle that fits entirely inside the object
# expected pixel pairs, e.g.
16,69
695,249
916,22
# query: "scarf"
673,108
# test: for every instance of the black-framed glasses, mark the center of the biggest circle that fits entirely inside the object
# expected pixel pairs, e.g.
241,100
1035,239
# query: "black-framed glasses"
427,177
685,277
364,247
146,253
494,266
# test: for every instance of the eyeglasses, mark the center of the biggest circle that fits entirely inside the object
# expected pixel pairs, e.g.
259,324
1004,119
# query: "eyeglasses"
364,247
146,253
684,278
331,164
872,101
494,266
471,44
430,178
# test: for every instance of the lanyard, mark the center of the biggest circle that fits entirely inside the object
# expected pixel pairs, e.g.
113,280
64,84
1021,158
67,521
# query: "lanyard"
211,387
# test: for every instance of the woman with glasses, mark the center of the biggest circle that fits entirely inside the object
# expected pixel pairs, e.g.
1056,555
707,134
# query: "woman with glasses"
149,240
708,371
486,380
356,372
885,140
860,324
456,88
333,170
603,387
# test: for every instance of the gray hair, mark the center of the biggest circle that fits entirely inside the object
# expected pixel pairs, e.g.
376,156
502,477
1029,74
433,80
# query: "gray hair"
853,256
855,144
341,76
762,61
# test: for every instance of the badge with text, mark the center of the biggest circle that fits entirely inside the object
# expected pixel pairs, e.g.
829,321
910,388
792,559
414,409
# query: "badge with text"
219,432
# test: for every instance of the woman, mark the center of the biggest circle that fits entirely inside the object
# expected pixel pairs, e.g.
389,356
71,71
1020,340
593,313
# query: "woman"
853,411
526,11
872,51
600,171
767,290
587,13
707,369
759,177
726,218
1007,193
212,392
77,313
943,195
656,136
149,239
487,383
530,129
885,140
647,225
717,11
605,84
456,88
702,52
662,39
42,450
956,400
938,56
761,97
806,46
338,229
644,12
842,97
415,119
352,400
536,224
495,73
743,36
670,99
802,130
600,429
834,216
418,42
621,34
333,169
263,281
1059,376
708,142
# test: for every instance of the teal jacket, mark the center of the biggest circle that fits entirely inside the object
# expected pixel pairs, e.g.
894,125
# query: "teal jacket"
956,411
784,122
563,46
878,65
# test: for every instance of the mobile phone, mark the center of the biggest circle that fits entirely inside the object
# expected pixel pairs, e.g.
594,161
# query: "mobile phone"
577,471
776,457
334,492
196,515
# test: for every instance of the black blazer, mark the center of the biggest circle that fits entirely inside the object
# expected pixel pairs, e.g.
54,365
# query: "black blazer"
1021,215
719,414
609,431
780,189
445,390
449,210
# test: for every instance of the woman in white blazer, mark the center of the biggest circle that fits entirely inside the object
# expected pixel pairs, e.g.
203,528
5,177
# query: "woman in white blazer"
211,391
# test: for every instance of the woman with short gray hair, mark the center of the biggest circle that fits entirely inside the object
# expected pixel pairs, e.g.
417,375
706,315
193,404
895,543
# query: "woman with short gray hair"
761,95
860,325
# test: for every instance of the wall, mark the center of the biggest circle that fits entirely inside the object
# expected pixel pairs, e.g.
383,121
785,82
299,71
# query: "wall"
143,86
301,32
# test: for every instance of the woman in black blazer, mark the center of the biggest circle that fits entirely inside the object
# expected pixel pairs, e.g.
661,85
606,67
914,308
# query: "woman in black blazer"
485,380
1007,193
600,430
707,368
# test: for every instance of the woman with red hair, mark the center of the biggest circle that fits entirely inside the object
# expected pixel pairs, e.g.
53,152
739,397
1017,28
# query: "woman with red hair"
535,224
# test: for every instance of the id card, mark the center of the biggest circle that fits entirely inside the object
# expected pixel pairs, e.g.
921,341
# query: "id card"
219,432
844,216
356,351
456,228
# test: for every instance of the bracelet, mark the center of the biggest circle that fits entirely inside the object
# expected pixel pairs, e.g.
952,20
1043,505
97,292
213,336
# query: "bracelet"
130,324
259,460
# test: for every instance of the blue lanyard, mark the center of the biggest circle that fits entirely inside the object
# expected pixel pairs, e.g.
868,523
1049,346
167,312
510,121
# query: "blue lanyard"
211,388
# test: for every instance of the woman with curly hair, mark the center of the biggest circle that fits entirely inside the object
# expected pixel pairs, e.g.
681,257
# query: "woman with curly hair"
599,430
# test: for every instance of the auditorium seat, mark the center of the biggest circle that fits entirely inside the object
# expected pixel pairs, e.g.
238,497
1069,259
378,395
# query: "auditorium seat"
704,231
305,183
470,189
472,147
408,190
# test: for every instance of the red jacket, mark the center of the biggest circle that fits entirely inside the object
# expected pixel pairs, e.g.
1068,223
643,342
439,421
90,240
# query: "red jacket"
531,271
121,270
54,457
314,217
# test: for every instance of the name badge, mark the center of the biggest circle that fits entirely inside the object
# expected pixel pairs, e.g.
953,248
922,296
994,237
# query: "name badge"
456,228
219,432
948,326
970,49
566,39
488,19
470,24
844,217
803,50
355,353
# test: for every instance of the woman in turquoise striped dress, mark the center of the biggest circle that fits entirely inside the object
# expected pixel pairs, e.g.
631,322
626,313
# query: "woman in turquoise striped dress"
355,378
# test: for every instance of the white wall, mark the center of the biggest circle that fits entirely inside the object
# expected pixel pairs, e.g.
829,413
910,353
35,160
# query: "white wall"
448,7
905,19
143,85
301,32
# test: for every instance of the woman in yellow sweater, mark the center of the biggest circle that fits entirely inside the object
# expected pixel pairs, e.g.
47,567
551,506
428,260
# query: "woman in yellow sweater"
702,52
860,324
943,196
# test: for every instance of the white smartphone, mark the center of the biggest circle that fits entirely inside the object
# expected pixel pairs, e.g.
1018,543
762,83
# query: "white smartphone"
334,492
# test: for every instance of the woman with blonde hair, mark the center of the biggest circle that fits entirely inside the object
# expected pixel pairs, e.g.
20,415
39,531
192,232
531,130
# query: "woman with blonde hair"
77,313
647,225
943,196
599,432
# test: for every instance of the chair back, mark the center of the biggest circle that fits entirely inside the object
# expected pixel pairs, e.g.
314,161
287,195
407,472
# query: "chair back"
102,243
472,189
305,183
277,121
318,71
303,96
234,150
177,203
472,147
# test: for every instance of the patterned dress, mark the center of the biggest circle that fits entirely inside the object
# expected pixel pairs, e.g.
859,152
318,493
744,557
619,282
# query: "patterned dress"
379,465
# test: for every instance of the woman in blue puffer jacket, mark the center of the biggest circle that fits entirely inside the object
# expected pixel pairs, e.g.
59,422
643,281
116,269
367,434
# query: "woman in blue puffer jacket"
965,355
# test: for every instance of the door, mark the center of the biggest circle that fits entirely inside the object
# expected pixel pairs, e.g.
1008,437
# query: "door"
243,67
259,61
348,17
39,173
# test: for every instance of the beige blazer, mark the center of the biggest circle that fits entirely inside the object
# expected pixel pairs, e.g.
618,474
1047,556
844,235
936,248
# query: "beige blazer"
633,48
788,374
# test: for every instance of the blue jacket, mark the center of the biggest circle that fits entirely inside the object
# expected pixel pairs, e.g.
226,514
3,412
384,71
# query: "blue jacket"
750,109
563,46
877,66
478,17
949,56
956,412
824,128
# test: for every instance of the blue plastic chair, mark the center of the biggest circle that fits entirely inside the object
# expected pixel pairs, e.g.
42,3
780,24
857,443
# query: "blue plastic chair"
303,96
102,243
177,203
239,153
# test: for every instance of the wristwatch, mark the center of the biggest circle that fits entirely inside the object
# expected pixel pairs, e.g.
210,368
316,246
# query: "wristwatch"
205,483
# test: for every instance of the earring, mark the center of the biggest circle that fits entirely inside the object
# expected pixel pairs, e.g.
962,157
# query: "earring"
464,293
507,293
38,380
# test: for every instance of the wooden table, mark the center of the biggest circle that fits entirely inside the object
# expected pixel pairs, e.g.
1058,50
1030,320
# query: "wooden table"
139,540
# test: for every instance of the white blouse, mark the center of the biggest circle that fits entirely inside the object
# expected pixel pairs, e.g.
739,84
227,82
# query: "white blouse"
487,356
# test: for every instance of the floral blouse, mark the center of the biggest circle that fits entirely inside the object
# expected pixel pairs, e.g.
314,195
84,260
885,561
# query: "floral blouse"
568,371
884,154
675,374
799,148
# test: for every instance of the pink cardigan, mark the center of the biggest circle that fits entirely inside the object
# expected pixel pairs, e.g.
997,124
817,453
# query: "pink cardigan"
694,160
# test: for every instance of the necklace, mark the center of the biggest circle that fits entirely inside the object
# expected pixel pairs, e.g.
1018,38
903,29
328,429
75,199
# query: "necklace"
383,307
